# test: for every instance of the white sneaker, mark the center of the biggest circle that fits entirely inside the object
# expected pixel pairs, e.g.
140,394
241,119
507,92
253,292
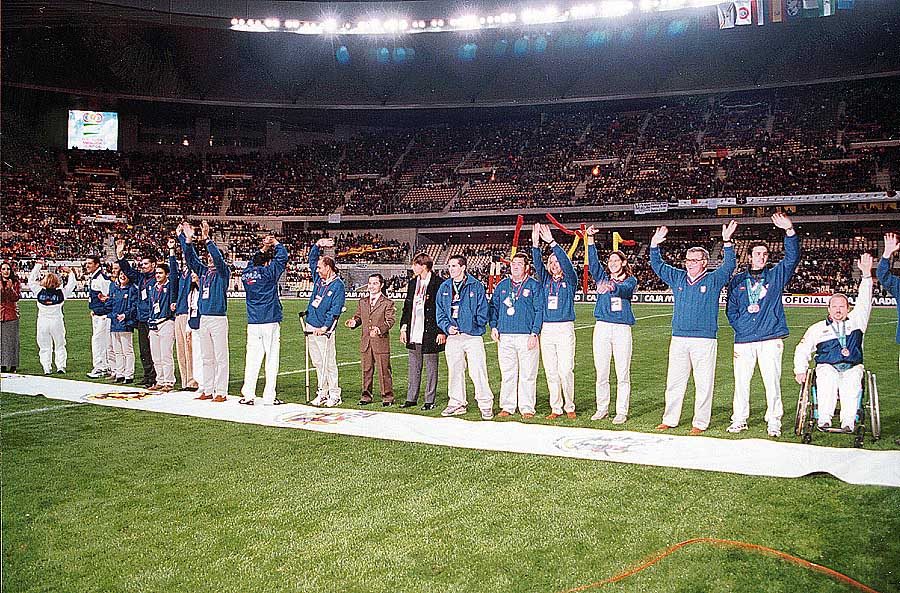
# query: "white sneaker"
620,419
599,416
487,414
319,400
333,400
737,427
95,374
454,411
774,431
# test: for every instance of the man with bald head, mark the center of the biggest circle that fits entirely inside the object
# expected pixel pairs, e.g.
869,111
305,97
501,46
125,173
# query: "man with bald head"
837,343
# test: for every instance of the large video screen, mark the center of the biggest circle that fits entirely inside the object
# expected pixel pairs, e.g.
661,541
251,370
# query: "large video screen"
93,130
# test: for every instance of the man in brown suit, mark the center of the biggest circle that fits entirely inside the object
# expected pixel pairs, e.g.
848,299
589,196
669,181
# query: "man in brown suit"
375,315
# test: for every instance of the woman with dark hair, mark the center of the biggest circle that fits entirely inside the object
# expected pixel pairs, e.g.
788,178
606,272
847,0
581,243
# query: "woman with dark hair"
123,298
51,328
163,297
612,331
10,289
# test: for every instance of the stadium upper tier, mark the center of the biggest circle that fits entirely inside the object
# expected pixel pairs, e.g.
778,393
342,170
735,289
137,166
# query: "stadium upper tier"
831,139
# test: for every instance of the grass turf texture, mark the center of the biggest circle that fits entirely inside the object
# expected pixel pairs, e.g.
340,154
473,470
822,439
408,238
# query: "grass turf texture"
100,499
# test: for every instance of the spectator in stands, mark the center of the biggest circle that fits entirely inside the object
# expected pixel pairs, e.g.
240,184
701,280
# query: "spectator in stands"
462,314
837,343
264,316
98,284
10,292
420,333
375,315
163,300
123,305
326,303
560,283
143,280
212,307
612,331
890,281
516,316
756,313
51,328
695,325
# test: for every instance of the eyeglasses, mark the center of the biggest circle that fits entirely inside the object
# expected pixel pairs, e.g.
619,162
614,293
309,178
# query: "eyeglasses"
694,259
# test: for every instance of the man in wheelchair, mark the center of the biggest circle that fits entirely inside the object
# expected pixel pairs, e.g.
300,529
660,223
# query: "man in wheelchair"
838,346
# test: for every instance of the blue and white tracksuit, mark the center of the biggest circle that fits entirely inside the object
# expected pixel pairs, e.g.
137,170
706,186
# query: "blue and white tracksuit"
695,325
161,322
464,306
517,313
51,328
838,348
101,348
612,336
264,315
212,334
558,331
756,313
326,303
123,301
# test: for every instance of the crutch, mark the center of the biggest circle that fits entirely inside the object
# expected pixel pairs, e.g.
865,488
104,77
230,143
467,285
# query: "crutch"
302,315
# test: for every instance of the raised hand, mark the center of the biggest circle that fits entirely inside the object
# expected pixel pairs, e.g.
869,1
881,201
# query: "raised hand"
728,230
325,242
204,230
170,243
536,234
781,220
865,264
546,233
891,244
120,248
659,236
188,231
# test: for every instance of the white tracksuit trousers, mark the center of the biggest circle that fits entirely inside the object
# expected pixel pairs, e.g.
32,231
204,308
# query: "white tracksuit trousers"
51,340
768,354
463,350
213,334
685,354
100,342
263,340
558,358
162,339
612,341
519,370
832,384
324,359
123,347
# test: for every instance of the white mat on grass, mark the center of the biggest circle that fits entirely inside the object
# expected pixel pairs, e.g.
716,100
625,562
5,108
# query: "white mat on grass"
755,457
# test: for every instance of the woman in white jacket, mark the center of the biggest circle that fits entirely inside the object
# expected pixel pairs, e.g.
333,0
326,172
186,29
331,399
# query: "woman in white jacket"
51,330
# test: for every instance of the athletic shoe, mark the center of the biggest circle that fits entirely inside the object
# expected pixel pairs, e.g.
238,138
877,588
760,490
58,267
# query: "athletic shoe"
246,402
737,427
220,399
408,404
128,380
599,415
333,400
847,429
487,414
620,419
387,404
571,415
428,406
60,371
319,400
695,430
454,411
774,431
97,374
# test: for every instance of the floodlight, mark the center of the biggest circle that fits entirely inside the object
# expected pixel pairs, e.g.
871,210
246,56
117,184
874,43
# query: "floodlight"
329,25
234,22
273,23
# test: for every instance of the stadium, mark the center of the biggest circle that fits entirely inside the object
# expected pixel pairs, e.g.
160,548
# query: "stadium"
373,132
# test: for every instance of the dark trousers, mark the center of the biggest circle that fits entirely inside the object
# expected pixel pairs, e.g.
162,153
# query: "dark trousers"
146,356
416,358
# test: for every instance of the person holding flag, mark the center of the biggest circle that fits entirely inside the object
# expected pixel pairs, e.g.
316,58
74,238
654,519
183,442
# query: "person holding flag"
756,313
516,316
612,331
559,283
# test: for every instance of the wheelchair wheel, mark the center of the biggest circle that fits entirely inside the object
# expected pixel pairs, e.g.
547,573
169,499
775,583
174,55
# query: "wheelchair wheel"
874,408
804,421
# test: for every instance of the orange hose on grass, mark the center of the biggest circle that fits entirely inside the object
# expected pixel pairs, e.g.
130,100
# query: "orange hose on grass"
727,542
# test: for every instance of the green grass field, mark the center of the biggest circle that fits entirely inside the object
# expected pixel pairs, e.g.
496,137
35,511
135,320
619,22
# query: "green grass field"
103,499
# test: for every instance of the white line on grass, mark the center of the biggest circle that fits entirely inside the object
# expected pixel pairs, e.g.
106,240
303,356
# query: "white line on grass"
38,410
488,341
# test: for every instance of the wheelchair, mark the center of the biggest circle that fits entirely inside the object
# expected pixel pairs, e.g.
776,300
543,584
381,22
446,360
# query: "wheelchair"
868,413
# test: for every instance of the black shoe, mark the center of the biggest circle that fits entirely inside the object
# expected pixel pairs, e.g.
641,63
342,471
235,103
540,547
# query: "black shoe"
387,404
363,402
246,402
428,407
60,371
408,405
127,381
